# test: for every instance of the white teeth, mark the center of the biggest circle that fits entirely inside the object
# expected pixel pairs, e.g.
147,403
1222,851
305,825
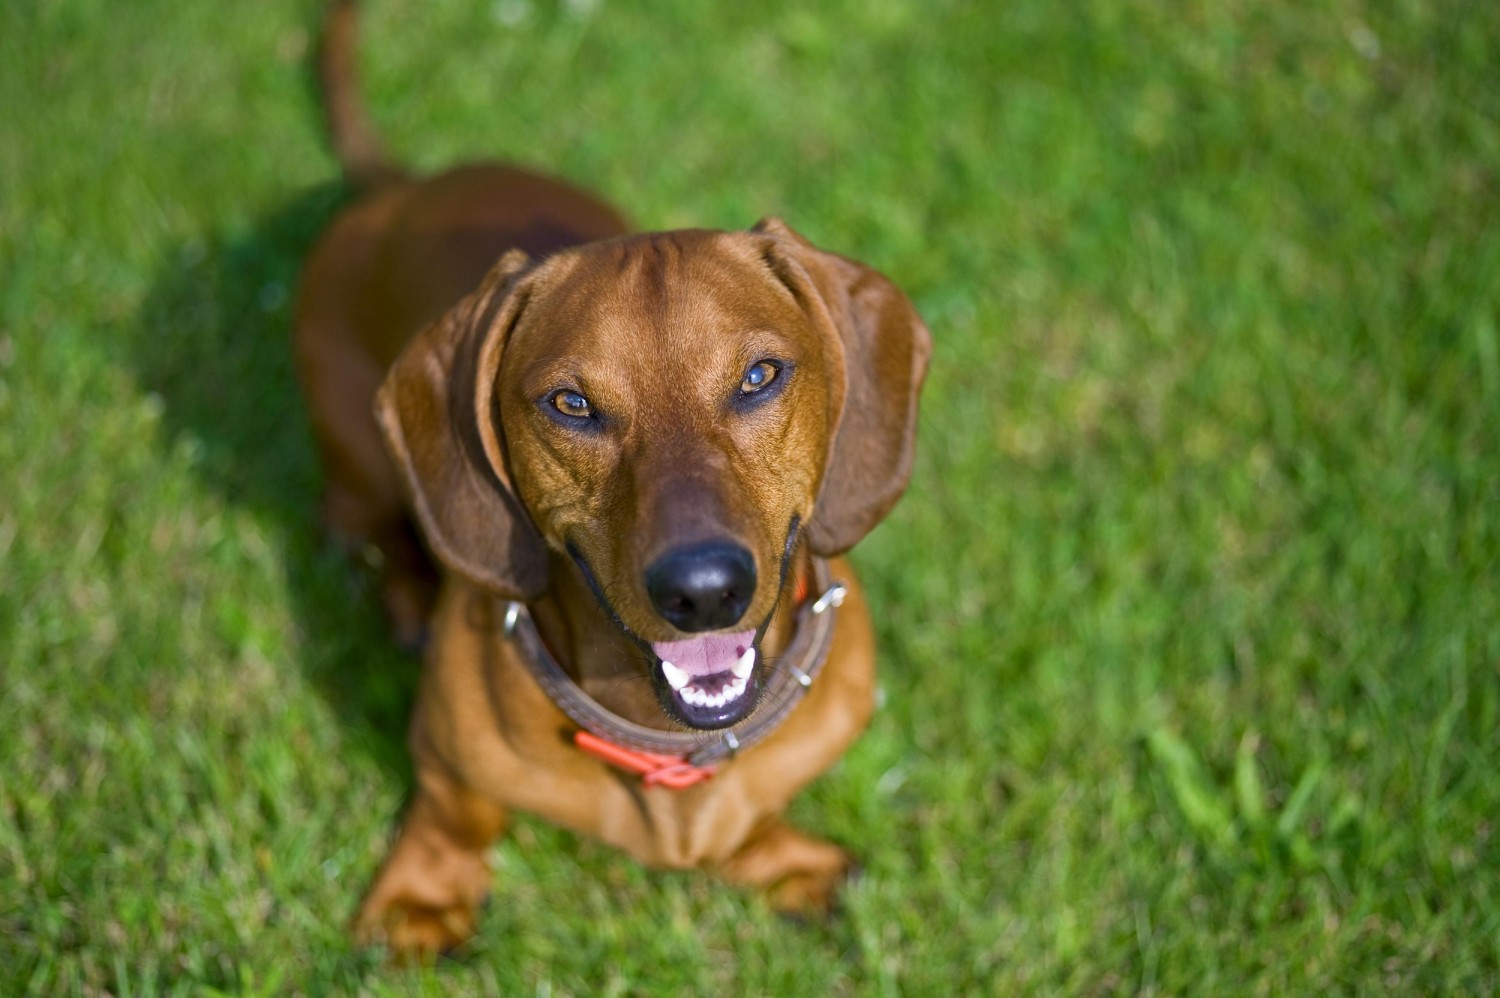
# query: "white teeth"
746,662
701,698
676,678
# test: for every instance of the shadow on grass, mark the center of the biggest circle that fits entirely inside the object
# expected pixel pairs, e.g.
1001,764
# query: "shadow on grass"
213,340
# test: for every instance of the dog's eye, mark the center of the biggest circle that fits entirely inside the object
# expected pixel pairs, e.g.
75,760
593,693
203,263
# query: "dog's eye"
572,404
761,374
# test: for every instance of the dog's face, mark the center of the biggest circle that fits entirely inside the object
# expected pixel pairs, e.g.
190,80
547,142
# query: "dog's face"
666,408
670,412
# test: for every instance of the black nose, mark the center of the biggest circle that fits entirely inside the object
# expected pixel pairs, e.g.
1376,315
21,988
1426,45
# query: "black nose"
703,587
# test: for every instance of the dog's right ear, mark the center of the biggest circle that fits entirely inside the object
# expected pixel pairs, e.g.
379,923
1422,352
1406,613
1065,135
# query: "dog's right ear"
437,411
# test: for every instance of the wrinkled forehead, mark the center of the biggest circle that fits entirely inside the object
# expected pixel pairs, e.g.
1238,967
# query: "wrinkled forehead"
689,297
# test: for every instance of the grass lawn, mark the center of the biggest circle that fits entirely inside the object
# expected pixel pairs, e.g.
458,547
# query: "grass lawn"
1190,621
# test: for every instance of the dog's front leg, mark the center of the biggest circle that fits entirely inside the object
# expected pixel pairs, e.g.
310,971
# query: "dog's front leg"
425,900
799,874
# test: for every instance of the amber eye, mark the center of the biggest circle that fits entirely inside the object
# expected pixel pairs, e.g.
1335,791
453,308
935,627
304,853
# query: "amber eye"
572,404
761,374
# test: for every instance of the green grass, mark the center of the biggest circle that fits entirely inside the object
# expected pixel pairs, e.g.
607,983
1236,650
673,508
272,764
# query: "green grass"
1190,621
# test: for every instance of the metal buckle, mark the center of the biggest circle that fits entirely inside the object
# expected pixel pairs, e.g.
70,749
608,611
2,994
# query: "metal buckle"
512,617
832,596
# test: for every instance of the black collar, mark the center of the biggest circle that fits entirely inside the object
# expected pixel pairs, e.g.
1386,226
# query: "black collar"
791,675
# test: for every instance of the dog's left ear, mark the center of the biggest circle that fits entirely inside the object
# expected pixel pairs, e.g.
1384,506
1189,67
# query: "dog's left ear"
885,349
436,409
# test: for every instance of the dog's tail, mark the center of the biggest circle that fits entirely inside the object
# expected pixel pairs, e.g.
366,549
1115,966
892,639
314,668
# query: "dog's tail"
358,149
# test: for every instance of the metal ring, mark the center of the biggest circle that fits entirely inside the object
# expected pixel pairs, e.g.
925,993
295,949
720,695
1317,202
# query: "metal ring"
832,596
512,617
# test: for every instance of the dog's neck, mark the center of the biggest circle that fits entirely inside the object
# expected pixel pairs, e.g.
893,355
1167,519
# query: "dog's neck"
611,666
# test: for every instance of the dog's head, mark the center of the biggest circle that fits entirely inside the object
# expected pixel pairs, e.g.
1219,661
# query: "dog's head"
668,413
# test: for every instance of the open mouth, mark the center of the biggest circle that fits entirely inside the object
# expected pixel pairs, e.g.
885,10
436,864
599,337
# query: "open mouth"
707,681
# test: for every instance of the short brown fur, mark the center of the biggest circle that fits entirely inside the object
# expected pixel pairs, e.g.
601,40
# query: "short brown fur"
453,306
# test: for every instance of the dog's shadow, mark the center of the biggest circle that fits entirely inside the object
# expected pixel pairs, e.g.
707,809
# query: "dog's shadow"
213,341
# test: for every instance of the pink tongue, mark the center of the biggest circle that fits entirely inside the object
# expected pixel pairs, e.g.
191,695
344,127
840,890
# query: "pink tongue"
706,655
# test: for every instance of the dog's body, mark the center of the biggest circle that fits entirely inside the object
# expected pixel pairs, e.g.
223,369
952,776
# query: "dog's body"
650,441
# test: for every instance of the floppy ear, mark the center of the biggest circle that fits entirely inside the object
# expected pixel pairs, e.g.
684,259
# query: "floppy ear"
437,411
885,348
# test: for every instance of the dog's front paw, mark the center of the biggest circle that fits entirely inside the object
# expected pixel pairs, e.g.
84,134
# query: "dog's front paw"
426,900
800,875
414,932
814,893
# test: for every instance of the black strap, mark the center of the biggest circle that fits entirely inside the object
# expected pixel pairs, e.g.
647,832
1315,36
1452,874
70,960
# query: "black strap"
791,677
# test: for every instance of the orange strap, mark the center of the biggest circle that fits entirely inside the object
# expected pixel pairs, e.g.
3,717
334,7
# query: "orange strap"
670,771
800,592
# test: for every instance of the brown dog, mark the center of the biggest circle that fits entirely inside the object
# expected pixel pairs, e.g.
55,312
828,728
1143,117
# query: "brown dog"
631,456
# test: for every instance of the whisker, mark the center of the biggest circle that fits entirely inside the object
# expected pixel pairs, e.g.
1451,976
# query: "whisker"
621,681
